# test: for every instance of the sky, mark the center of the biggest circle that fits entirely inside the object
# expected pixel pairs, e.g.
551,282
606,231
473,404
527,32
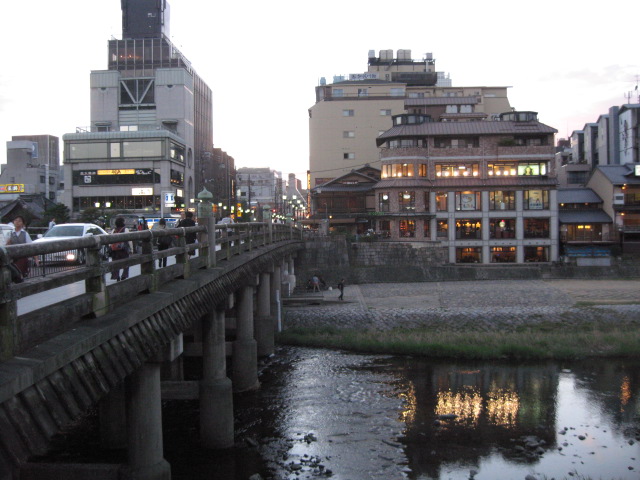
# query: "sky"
568,60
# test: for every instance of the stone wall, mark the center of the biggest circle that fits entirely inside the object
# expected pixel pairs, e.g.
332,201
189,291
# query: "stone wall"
376,262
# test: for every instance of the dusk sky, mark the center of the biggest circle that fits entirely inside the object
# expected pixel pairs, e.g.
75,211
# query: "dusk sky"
568,60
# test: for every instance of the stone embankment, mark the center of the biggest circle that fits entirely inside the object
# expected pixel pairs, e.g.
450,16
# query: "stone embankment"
503,305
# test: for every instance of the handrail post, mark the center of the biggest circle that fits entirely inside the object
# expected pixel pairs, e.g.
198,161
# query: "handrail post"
269,232
211,237
8,311
183,257
96,285
148,267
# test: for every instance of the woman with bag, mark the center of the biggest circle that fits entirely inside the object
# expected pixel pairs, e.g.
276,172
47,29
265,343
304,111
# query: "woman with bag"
120,251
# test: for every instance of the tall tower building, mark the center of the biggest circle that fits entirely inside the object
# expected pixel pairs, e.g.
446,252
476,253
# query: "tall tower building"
350,113
151,123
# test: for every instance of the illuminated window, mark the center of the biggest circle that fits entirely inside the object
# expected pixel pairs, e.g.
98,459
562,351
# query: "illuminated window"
469,229
502,200
469,255
536,199
503,254
502,228
457,170
441,201
536,227
502,169
407,201
383,202
442,229
468,201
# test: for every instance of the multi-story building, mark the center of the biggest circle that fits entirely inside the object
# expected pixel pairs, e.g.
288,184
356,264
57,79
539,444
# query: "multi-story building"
260,188
151,123
484,190
353,111
33,166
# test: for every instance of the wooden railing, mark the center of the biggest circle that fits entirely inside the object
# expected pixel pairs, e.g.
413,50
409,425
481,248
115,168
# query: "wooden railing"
92,295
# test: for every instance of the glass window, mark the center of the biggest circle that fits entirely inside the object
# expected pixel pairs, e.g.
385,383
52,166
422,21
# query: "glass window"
426,229
468,201
177,152
441,201
383,202
502,200
87,150
469,255
363,92
536,227
503,254
338,92
349,156
536,199
470,229
422,170
348,134
407,201
502,228
397,92
457,170
347,113
114,148
407,228
142,149
385,112
427,201
442,230
397,170
530,168
385,228
536,254
584,233
504,169
465,142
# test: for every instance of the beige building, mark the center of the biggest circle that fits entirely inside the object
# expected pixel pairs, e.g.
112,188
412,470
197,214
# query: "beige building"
353,111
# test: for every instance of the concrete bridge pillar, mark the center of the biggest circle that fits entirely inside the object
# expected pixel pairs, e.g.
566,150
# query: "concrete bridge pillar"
216,397
245,352
264,332
284,275
276,294
144,425
113,425
292,273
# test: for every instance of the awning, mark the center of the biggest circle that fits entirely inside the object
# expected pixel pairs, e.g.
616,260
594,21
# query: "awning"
584,217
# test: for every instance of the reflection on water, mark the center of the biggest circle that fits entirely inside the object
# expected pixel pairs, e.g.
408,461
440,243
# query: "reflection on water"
387,417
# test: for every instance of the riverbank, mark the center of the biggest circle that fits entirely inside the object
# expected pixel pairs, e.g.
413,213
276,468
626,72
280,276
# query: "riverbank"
536,319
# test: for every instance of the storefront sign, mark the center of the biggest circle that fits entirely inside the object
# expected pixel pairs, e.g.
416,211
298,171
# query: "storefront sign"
637,172
142,191
124,171
12,188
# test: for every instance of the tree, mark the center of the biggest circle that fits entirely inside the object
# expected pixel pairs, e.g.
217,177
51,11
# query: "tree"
58,211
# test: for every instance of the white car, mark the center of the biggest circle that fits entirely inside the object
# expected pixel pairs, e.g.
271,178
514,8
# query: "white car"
71,230
5,233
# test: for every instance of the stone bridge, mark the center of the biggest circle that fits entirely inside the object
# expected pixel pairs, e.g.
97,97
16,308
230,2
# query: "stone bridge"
73,341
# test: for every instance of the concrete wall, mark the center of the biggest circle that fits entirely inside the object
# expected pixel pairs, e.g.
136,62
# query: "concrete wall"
378,262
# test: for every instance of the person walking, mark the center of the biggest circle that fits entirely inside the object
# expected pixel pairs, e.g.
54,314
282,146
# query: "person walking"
119,251
341,288
52,223
188,221
18,237
315,281
163,243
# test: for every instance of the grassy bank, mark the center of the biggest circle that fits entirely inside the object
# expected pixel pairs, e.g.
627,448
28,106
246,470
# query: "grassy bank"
530,343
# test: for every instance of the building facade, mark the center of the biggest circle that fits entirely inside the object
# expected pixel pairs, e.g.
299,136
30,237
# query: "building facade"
484,190
151,124
350,113
259,189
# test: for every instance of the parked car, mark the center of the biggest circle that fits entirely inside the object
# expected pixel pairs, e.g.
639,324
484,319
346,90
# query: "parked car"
72,230
5,232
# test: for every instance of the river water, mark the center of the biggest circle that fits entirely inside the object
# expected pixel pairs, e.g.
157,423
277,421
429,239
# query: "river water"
328,414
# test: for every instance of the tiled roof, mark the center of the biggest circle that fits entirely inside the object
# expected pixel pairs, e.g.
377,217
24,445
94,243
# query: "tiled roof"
430,129
412,102
620,174
578,195
583,216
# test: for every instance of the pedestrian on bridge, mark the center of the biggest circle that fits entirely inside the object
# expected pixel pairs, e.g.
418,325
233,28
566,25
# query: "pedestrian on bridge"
17,237
120,251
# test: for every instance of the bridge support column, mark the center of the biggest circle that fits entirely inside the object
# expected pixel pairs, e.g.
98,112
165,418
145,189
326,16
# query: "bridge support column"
292,273
113,427
276,298
245,352
144,425
264,324
216,397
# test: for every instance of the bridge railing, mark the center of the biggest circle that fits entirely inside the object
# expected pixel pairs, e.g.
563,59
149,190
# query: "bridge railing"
27,308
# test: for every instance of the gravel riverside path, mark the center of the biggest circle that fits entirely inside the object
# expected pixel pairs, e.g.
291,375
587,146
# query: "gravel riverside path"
482,306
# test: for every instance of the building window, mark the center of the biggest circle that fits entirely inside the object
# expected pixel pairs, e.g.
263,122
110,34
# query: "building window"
584,233
441,201
426,229
348,156
348,134
536,199
536,227
532,169
465,142
383,202
502,200
502,169
407,228
427,198
52,180
536,254
338,92
81,151
457,170
442,230
142,149
468,201
397,170
114,149
385,228
422,170
363,92
577,177
397,92
405,143
407,201
470,229
42,179
502,228
503,254
348,113
385,112
469,255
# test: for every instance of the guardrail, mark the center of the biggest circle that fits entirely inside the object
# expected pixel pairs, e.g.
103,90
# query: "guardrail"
94,295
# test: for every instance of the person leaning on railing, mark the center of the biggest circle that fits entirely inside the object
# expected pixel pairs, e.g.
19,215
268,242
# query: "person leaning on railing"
17,237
